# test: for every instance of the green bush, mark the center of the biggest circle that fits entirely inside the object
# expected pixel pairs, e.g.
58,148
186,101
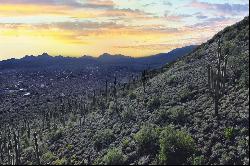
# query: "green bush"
48,157
172,80
147,139
229,133
125,142
185,94
177,114
132,96
73,117
112,107
161,116
69,146
103,138
154,104
198,160
62,161
176,147
55,136
113,157
128,115
26,142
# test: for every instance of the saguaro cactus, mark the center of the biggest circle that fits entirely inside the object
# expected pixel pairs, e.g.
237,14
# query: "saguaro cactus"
115,90
94,98
217,78
115,94
144,79
16,146
9,152
106,91
36,149
1,148
28,130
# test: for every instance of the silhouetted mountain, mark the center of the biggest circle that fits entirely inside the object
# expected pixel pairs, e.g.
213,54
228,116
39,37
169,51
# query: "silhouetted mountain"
108,58
46,61
163,58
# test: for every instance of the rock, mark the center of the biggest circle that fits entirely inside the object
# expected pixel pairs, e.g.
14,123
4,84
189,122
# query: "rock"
144,160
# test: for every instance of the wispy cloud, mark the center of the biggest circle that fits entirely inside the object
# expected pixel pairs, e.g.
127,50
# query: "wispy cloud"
221,8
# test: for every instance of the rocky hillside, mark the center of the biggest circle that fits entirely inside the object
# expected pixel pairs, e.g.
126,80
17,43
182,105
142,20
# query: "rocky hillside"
167,117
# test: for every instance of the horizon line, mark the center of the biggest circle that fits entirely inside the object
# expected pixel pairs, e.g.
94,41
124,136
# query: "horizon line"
70,56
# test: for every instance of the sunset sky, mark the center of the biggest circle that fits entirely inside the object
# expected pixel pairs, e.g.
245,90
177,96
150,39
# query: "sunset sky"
93,27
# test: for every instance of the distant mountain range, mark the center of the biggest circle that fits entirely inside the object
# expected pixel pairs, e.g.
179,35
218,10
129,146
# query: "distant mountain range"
46,61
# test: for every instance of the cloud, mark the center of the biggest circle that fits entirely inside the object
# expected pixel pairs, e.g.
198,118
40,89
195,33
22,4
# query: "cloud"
92,9
226,8
125,13
106,4
82,26
175,17
150,46
167,3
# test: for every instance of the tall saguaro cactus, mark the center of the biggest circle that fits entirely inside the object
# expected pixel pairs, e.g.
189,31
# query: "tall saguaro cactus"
115,92
144,79
36,149
106,91
16,146
217,78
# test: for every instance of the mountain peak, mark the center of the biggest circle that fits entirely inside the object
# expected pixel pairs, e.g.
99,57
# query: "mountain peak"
106,55
45,55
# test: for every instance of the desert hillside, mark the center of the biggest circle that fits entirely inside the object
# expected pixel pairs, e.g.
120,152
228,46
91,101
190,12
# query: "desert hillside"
165,117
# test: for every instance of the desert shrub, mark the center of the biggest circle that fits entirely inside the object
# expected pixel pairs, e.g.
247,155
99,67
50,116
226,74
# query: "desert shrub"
132,96
185,94
228,159
229,133
231,35
199,160
48,157
125,142
128,115
239,66
73,117
176,147
147,139
154,104
177,114
29,155
62,161
26,142
103,138
69,146
114,157
55,136
74,160
172,80
112,107
162,116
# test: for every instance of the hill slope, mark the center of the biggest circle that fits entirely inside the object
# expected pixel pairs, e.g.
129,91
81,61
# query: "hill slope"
177,97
